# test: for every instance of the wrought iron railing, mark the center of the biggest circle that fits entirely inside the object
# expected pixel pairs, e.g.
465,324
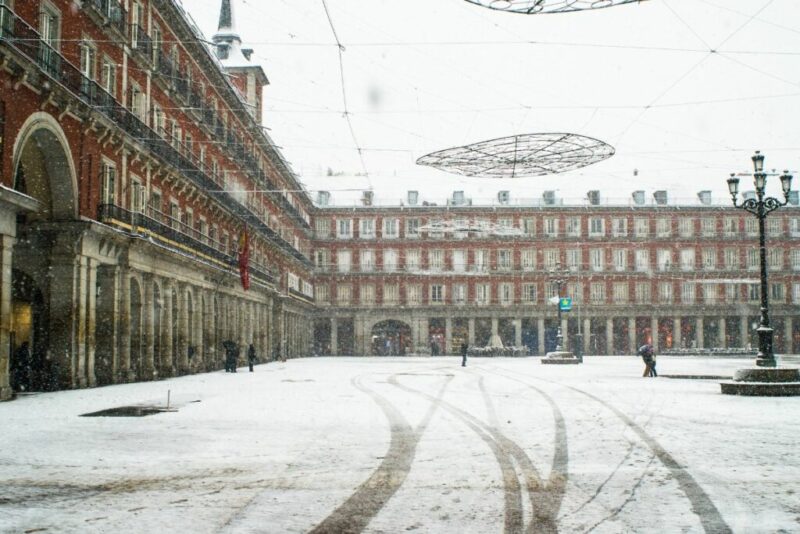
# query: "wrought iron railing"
141,41
111,10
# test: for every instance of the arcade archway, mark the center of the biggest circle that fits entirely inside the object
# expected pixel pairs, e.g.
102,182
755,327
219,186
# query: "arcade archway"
391,338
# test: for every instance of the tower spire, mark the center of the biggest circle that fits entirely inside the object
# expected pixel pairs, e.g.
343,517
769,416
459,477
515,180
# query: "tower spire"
226,17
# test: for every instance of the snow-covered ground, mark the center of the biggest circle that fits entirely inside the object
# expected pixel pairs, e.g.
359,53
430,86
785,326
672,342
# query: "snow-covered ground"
407,444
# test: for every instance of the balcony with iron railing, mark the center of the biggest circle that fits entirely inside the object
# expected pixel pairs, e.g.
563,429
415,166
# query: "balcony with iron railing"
25,40
112,12
141,42
177,234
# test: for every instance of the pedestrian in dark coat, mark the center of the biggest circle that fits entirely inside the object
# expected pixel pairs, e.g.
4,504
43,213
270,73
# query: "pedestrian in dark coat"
464,348
251,356
231,354
648,357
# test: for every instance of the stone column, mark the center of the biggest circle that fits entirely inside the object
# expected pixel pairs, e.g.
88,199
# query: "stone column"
471,331
587,335
632,341
125,330
788,328
334,336
609,336
91,321
424,333
83,290
723,341
149,328
7,243
448,335
676,332
699,332
654,331
517,332
565,332
540,334
494,326
167,356
183,329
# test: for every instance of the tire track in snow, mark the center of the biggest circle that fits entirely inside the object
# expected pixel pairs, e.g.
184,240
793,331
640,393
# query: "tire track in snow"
499,445
546,498
357,511
701,503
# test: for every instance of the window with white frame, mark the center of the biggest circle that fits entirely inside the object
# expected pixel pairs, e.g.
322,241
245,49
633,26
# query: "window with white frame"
367,294
597,227
391,228
436,259
753,292
641,227
529,226
665,294
459,260
663,227
481,262
344,228
461,226
686,227
732,293
391,294
551,227
412,228
710,293
505,222
343,260
574,258
367,260
597,259
412,260
620,259
322,228
708,226
688,292
777,291
482,294
664,259
597,292
643,292
529,293
551,259
620,292
528,259
775,258
437,224
751,226
366,228
50,29
573,226
619,227
137,202
709,259
506,290
687,259
108,191
344,294
483,227
321,294
730,226
293,281
753,260
731,258
321,259
437,294
108,76
459,294
794,258
550,291
575,290
796,292
390,256
642,258
794,226
775,226
504,257
414,294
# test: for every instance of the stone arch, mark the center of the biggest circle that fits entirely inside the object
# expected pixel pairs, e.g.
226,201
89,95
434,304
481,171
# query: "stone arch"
390,337
43,168
137,330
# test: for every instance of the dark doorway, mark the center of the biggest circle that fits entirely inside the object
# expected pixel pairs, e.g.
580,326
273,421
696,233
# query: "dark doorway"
391,338
30,368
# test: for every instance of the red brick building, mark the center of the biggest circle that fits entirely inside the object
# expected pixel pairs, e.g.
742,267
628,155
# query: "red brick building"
132,162
420,278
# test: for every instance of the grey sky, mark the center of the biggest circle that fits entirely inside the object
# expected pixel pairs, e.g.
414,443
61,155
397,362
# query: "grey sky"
424,75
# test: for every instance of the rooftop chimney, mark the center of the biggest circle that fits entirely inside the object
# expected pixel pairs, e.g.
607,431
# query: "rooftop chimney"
660,197
366,198
705,197
638,198
549,198
594,197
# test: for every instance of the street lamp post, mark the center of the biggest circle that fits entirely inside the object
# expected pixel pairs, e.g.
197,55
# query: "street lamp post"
761,206
559,280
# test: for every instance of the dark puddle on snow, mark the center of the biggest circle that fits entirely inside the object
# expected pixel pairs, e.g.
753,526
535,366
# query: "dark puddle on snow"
128,411
698,377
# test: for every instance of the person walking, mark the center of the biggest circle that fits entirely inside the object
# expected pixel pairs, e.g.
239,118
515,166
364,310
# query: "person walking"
464,348
251,356
648,357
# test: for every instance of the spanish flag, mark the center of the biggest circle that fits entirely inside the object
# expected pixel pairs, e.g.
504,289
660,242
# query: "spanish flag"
244,258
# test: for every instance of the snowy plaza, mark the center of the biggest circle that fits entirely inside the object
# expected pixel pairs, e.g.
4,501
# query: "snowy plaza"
408,444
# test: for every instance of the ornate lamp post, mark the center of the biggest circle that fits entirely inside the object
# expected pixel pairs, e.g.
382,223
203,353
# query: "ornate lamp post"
559,355
762,206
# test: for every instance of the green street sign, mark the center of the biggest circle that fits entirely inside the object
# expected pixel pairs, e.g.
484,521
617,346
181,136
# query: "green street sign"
565,304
